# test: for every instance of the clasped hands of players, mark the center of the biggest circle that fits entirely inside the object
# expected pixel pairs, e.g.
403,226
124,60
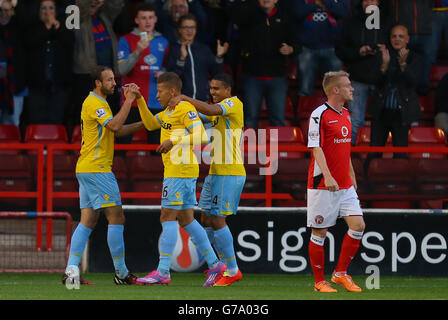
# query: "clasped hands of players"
132,89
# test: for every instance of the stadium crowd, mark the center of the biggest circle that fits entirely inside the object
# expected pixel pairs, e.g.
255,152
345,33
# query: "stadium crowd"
276,51
45,64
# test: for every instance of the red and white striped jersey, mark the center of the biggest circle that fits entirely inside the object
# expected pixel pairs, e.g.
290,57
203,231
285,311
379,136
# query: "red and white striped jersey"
330,130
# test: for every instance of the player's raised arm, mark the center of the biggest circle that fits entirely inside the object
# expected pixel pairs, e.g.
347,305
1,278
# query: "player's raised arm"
116,123
201,106
150,122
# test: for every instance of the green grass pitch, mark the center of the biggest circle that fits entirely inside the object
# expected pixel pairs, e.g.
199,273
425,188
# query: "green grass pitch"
188,286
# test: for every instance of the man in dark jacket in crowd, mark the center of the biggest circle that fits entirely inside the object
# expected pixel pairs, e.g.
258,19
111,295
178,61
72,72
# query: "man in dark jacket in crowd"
266,44
193,61
358,47
395,103
318,28
49,52
416,16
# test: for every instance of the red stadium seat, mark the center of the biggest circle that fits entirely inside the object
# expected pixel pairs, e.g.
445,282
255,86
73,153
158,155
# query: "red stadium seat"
307,104
392,204
363,140
46,134
391,170
65,185
16,174
431,170
9,133
64,166
120,168
287,136
427,106
76,134
291,175
147,186
146,167
391,176
436,74
139,137
427,137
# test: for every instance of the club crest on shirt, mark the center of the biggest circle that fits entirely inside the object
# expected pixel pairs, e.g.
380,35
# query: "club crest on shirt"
319,219
100,112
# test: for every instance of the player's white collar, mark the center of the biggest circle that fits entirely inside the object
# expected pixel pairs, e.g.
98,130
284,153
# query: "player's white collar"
339,112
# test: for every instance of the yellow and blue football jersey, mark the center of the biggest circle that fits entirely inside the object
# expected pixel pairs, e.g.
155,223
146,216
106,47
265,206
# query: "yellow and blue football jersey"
97,147
227,139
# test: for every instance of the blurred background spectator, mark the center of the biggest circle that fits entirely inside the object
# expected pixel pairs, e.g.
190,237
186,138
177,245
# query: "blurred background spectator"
441,105
439,22
193,61
416,16
171,10
49,54
12,82
142,56
266,40
318,23
395,103
358,48
95,44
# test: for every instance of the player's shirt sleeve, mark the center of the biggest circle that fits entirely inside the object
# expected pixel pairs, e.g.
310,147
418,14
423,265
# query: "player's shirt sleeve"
194,126
124,50
314,127
191,119
101,113
227,106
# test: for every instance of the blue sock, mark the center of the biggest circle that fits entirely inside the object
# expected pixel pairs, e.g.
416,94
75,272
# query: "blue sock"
116,246
224,240
211,236
200,239
168,241
78,244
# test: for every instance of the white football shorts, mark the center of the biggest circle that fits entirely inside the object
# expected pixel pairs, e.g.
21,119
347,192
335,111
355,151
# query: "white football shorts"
325,207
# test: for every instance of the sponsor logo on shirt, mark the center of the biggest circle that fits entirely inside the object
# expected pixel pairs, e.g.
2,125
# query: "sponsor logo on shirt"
344,131
150,59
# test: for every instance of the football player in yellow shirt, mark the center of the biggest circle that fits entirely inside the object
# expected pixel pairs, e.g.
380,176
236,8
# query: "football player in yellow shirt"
180,130
222,188
98,188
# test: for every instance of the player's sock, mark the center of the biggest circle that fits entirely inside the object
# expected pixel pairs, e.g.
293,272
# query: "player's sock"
224,240
168,241
200,239
317,257
350,246
78,244
211,237
116,246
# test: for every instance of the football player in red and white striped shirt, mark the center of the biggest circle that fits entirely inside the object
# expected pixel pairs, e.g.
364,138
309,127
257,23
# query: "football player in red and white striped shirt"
332,183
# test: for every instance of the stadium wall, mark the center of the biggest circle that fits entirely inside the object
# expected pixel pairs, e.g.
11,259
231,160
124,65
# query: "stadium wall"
275,240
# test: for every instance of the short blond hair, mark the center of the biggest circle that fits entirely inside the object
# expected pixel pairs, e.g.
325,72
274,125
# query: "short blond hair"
331,79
